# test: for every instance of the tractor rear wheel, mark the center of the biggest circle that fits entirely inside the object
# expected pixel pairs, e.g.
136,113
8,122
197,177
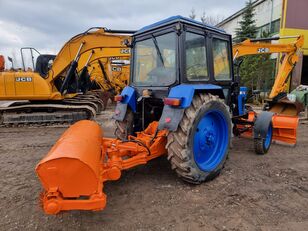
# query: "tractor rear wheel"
199,148
125,128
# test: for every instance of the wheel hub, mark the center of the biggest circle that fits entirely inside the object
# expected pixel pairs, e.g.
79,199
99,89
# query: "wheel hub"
207,140
211,140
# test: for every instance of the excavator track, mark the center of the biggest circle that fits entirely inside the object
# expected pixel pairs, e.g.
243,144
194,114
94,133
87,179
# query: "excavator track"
67,111
42,114
89,99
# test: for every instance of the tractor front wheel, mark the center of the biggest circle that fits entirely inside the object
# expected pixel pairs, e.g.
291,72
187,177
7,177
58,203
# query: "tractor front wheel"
199,148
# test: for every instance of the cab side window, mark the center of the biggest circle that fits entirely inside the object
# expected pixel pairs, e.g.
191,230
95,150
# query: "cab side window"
221,59
195,54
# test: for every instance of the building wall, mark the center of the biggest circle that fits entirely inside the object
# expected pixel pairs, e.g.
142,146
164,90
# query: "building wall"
294,21
266,12
283,17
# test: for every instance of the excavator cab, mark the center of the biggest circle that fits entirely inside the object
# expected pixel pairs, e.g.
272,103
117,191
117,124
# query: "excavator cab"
40,63
43,64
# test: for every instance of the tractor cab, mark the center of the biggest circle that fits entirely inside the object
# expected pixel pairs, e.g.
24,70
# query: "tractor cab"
178,56
179,50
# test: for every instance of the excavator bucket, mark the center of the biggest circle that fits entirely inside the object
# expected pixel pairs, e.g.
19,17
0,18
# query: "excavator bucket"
71,170
286,107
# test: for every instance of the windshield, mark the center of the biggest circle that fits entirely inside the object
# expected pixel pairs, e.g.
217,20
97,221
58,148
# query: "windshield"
154,61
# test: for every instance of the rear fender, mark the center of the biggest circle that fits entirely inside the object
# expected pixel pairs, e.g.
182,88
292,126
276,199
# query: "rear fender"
172,116
261,124
129,100
284,127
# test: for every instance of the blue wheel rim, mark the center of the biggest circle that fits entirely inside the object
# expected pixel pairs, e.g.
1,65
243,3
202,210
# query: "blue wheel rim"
268,138
210,140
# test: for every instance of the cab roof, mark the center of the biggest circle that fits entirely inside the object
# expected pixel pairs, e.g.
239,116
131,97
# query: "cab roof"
178,18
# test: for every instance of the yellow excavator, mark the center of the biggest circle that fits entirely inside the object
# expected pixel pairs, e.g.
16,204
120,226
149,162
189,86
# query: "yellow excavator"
56,89
108,76
277,101
113,74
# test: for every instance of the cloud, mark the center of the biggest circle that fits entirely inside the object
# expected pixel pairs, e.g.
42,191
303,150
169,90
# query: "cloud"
47,25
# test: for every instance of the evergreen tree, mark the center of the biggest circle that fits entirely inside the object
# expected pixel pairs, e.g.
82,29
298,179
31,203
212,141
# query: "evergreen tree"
247,27
256,71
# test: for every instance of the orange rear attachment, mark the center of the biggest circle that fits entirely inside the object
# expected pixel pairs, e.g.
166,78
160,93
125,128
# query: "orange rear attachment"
74,170
285,128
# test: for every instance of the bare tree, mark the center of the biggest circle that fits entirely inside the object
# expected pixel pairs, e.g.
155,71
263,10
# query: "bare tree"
206,19
211,20
192,14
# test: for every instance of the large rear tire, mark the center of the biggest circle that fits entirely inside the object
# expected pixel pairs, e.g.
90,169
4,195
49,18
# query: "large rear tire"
125,128
198,149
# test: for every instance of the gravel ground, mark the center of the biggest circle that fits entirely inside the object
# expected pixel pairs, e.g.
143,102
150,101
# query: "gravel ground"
253,192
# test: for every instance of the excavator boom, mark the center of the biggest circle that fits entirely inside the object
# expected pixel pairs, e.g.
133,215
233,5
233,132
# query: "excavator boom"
285,119
260,46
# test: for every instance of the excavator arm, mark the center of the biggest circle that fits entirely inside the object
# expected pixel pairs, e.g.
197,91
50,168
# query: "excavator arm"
86,48
103,44
262,46
282,113
60,81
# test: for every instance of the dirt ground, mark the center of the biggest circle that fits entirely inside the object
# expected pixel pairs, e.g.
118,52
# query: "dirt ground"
253,192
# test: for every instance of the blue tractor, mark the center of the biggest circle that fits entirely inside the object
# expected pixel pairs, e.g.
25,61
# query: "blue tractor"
182,76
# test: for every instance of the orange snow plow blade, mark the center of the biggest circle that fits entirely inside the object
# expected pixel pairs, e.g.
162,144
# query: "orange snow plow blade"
285,128
73,172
